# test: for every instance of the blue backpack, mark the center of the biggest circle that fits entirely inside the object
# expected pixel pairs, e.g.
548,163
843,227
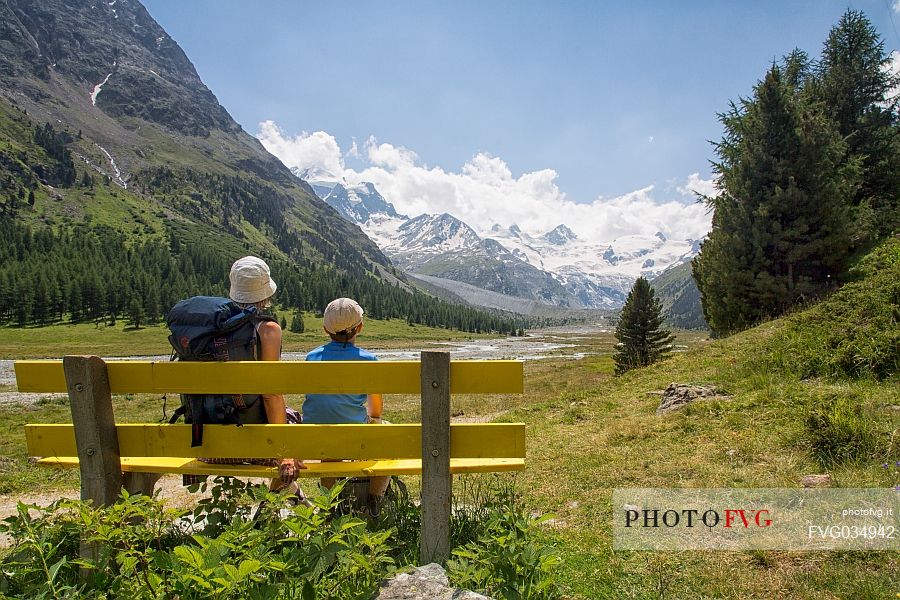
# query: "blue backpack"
207,328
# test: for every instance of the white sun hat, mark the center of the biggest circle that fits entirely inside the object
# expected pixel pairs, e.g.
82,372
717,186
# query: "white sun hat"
250,280
342,314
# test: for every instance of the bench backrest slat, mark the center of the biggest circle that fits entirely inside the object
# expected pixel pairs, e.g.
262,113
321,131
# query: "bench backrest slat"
287,377
357,442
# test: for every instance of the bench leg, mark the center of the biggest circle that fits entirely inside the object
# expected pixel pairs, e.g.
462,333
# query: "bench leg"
140,483
434,545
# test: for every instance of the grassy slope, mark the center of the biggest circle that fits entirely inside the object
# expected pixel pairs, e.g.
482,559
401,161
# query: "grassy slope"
589,434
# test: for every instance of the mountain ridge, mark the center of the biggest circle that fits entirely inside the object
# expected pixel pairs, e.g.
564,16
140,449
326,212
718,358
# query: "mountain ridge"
145,119
110,142
555,268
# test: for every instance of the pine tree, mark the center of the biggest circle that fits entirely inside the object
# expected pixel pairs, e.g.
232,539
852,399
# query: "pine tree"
136,312
297,325
641,340
779,222
283,323
853,81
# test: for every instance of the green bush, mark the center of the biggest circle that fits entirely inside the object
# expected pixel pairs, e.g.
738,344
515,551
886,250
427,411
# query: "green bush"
839,431
144,550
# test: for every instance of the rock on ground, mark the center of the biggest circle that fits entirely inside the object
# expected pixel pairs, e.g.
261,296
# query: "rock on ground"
678,395
815,481
424,583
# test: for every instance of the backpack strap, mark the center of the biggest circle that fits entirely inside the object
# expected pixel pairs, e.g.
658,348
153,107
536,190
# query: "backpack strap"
196,420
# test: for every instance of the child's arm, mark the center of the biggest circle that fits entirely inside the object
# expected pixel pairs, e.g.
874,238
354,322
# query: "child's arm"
374,406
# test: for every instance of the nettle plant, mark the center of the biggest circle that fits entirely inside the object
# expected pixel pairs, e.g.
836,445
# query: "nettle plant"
505,556
243,541
141,549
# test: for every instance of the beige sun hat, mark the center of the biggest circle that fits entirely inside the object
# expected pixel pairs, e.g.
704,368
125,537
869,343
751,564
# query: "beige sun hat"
250,280
342,314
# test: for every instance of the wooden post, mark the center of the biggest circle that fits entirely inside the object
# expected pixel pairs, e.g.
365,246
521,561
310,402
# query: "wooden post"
434,544
95,429
140,483
95,435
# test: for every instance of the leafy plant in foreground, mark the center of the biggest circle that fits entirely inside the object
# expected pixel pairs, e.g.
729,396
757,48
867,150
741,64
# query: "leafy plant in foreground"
144,550
244,541
507,560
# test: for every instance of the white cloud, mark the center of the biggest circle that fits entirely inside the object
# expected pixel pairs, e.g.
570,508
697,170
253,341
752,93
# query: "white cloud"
650,139
305,150
894,66
695,185
897,6
485,191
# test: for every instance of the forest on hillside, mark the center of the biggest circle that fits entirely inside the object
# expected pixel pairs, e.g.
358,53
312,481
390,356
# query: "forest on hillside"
94,273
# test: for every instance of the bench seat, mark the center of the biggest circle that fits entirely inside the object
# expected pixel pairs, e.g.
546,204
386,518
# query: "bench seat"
111,456
357,468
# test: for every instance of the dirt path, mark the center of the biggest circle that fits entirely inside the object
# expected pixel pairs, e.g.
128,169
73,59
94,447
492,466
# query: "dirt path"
26,397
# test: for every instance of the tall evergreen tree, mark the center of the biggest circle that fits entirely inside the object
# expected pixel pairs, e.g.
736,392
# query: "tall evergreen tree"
136,314
779,222
853,81
641,340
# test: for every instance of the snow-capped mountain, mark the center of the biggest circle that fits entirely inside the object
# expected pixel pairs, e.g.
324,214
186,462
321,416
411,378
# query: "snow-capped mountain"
630,256
557,268
597,274
356,203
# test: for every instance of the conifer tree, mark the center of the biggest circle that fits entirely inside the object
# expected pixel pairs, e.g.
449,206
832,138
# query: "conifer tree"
641,340
779,223
297,325
136,314
853,81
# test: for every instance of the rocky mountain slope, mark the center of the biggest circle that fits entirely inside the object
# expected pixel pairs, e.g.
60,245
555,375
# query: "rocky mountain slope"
442,248
132,108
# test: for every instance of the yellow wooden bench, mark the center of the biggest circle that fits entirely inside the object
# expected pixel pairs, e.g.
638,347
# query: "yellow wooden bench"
111,455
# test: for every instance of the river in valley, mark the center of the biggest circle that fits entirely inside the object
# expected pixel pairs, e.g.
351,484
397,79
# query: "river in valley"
556,342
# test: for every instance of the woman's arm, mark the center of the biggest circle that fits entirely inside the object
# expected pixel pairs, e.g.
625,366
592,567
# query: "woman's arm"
270,349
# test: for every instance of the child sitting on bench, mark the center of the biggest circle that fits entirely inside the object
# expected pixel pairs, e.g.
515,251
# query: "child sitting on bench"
343,322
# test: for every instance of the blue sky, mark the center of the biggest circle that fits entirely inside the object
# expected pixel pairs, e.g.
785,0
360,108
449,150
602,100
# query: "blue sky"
612,98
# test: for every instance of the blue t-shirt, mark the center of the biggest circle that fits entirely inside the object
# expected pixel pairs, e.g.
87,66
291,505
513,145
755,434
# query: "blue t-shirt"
337,408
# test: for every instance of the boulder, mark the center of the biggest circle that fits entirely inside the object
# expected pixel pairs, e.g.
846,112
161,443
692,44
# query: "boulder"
678,395
424,583
816,481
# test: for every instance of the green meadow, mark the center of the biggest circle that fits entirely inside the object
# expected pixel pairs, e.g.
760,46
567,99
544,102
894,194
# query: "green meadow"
120,339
